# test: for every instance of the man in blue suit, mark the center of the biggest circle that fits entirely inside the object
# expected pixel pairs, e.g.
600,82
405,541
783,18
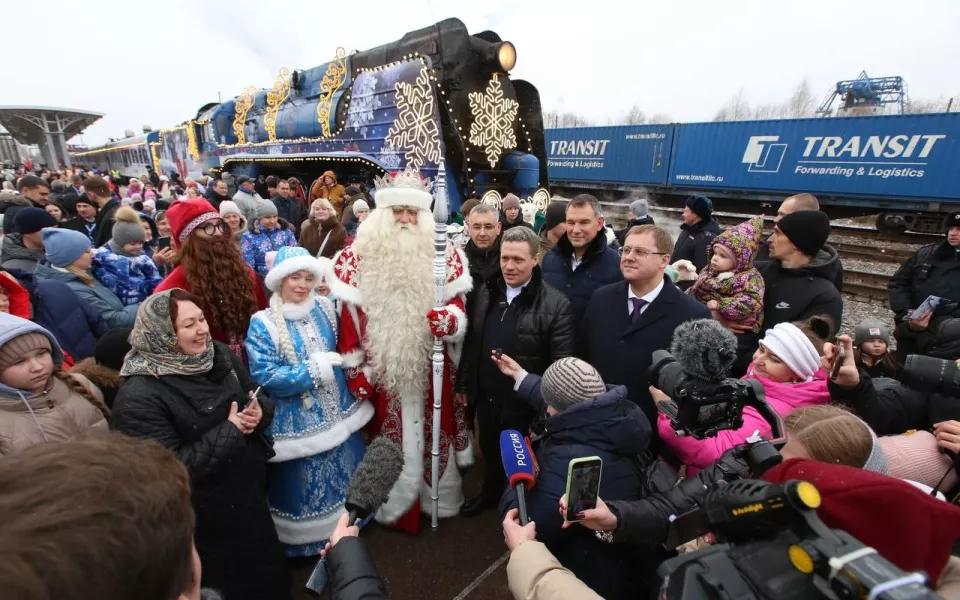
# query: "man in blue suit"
626,321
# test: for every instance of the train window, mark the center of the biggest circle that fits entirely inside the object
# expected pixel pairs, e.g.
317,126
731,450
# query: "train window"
208,133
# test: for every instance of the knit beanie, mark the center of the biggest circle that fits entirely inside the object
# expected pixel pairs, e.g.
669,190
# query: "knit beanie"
794,348
556,214
112,348
63,246
126,227
916,456
639,207
229,207
870,329
701,205
265,208
807,229
360,205
32,220
510,201
14,349
570,381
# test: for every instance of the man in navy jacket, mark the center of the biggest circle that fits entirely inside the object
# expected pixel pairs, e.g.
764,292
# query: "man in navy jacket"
626,321
581,262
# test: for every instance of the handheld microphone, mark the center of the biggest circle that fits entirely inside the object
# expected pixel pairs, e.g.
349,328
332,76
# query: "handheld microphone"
519,464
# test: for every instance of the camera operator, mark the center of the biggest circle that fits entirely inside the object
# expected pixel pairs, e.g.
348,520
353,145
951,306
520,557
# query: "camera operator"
585,419
787,365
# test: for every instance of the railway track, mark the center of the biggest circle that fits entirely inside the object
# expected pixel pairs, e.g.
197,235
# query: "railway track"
864,285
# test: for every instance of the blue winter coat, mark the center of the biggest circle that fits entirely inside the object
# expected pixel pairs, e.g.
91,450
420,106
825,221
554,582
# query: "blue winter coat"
258,241
97,296
58,310
616,430
600,267
132,279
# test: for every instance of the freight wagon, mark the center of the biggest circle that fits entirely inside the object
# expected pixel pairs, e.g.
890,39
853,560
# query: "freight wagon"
903,167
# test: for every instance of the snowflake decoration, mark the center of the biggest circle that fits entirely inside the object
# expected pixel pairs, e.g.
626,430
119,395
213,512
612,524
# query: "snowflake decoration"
492,128
389,157
363,102
415,128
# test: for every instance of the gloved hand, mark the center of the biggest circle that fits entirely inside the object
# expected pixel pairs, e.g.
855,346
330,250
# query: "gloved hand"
334,358
442,322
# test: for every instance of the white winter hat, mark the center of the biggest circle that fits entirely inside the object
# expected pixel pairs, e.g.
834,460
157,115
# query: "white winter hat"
229,207
794,348
289,260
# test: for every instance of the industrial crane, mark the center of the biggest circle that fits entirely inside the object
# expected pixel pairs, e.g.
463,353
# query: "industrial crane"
866,95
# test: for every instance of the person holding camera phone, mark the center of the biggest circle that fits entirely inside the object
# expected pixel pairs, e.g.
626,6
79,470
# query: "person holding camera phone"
585,419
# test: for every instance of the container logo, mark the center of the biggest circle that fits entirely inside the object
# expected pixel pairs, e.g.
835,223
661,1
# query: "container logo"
764,154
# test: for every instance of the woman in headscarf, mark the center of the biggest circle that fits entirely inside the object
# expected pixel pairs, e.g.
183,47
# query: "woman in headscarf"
292,351
194,396
322,234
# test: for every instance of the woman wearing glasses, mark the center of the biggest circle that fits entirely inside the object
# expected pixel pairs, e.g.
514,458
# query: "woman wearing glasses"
212,268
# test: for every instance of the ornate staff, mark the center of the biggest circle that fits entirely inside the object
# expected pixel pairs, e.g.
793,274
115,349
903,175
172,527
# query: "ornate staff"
439,281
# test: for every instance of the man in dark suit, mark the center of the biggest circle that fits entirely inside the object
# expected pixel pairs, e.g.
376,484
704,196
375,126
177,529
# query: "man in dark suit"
626,321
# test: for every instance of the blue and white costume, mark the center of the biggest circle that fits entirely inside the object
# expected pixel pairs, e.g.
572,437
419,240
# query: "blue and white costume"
316,424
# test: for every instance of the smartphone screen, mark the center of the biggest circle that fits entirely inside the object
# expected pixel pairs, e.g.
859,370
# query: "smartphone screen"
163,242
583,485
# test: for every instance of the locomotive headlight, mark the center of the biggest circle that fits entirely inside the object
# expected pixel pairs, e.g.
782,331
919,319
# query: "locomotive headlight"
507,56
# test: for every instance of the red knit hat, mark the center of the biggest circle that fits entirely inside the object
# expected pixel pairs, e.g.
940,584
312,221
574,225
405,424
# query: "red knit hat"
913,530
186,215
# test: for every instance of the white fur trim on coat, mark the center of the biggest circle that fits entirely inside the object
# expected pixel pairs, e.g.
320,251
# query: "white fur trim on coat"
407,489
305,531
323,367
324,441
461,330
352,360
460,285
465,457
451,492
278,273
338,287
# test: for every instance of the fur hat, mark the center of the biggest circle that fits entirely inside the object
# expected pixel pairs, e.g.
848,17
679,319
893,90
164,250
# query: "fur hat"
700,205
794,348
289,260
870,329
704,348
639,207
953,220
186,215
126,227
570,381
807,229
403,188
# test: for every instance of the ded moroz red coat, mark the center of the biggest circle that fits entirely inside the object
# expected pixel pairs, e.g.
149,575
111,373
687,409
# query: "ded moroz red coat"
412,429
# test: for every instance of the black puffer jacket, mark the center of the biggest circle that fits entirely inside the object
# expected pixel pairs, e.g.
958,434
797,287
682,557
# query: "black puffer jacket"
693,241
353,576
940,339
235,535
798,294
545,331
763,257
933,271
484,266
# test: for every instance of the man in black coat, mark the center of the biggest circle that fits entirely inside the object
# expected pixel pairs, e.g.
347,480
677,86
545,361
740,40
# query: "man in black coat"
522,316
86,220
288,207
697,232
626,321
73,193
483,249
789,206
217,193
99,192
933,271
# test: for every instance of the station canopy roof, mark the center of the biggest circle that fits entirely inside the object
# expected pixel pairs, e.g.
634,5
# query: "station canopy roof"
25,123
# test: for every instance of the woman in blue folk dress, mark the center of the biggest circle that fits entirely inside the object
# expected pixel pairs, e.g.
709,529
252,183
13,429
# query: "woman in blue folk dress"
292,351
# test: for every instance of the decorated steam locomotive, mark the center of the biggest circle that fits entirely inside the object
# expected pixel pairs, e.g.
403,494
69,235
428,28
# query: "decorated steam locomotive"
438,92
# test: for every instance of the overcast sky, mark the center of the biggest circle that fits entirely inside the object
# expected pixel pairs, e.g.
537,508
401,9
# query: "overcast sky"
156,63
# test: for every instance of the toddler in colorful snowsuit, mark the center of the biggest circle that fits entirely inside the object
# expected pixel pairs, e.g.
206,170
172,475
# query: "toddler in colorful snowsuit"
730,285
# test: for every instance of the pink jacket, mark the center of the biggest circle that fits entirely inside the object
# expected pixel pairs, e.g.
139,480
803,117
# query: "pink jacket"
782,397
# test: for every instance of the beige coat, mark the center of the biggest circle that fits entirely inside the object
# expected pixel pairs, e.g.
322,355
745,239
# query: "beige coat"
535,574
58,416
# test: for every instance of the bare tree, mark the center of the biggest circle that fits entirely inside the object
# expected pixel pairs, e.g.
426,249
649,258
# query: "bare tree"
660,119
634,116
736,109
928,106
768,111
555,119
801,103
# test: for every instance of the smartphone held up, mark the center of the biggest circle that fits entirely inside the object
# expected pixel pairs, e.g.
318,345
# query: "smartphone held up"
583,486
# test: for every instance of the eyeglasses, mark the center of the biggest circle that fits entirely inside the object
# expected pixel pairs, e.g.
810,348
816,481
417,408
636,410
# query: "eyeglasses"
486,227
211,228
640,252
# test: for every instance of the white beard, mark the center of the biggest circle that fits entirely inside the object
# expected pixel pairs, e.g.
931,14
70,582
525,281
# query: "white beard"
396,283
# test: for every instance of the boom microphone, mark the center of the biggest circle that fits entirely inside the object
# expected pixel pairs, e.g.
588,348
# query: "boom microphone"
519,464
704,349
375,476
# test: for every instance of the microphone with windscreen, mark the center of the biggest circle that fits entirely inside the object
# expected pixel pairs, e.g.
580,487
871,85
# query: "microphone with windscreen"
369,488
519,465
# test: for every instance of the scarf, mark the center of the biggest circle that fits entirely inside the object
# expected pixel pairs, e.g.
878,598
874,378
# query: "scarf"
118,249
153,342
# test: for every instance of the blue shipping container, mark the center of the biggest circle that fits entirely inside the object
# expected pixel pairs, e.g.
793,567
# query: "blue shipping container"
629,154
912,156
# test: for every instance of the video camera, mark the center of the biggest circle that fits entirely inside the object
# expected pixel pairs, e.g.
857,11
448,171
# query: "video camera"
702,408
929,374
775,546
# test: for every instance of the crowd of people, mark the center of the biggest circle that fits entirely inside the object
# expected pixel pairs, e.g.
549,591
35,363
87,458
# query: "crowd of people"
263,336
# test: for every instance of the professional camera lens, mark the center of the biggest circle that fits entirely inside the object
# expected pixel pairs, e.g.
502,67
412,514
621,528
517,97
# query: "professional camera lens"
930,374
665,372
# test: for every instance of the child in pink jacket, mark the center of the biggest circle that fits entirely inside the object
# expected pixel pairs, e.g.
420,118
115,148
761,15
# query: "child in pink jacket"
787,364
